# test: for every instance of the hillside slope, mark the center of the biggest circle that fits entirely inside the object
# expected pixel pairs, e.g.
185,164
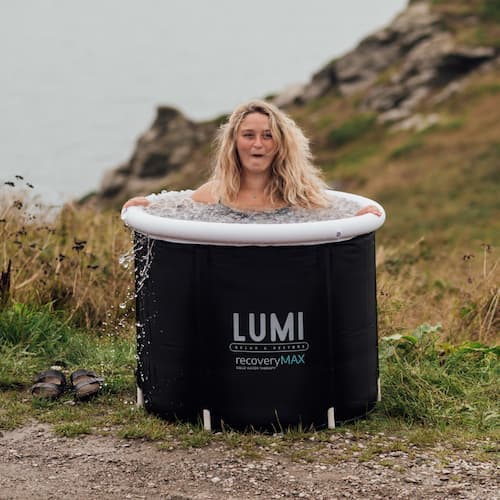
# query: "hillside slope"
434,163
409,117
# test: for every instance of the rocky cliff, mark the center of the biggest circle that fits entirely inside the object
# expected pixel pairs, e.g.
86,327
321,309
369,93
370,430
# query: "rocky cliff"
421,59
172,145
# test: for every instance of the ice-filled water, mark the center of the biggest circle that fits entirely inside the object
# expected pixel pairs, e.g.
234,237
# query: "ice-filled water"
179,205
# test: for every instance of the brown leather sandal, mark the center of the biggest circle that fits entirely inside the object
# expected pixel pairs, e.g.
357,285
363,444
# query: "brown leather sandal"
86,384
49,384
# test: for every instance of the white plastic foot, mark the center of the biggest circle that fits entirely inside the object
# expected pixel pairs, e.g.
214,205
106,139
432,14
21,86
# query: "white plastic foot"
207,421
140,397
331,418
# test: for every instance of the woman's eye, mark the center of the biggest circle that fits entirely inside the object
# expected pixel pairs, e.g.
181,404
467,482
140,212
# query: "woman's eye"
268,136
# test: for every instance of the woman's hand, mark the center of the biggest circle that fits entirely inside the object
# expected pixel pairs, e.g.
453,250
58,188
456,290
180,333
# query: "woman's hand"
138,201
370,209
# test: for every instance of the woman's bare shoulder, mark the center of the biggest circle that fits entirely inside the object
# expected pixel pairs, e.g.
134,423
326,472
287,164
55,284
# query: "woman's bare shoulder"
205,193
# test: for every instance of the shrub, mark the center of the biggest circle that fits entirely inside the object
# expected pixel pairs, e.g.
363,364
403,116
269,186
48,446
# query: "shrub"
351,129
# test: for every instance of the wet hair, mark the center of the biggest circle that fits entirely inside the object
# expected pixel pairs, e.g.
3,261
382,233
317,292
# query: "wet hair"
294,179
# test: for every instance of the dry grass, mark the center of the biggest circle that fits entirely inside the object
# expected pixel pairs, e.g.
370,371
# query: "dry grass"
69,259
458,289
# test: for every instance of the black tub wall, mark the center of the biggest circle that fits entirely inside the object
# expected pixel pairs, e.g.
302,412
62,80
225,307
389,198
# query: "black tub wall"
186,308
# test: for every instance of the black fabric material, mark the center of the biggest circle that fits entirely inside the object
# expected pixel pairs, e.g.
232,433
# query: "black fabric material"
263,337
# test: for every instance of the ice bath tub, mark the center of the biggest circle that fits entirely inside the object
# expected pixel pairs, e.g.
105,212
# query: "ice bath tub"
257,325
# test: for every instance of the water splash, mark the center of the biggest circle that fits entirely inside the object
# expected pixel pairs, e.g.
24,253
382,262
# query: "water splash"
141,254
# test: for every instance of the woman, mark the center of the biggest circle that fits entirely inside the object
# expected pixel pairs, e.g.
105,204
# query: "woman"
263,162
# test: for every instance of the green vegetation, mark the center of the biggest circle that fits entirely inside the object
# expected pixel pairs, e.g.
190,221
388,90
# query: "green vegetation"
358,155
456,16
413,144
352,129
440,184
439,384
432,391
32,339
490,10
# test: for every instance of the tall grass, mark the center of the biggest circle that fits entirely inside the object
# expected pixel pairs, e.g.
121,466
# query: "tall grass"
459,289
69,259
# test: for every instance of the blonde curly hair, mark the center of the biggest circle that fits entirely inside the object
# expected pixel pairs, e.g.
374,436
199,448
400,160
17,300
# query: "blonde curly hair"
294,179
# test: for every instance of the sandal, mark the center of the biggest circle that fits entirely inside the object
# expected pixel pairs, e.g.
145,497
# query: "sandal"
49,384
86,384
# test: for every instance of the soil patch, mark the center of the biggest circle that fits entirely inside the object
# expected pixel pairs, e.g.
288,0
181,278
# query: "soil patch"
36,463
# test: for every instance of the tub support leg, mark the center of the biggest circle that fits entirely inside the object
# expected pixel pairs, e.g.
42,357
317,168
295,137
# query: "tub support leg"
140,397
207,421
331,418
379,392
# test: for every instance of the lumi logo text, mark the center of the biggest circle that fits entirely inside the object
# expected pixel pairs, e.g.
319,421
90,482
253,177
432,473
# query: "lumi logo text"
270,328
266,341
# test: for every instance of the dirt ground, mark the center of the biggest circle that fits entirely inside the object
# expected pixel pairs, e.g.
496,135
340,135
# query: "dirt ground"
35,463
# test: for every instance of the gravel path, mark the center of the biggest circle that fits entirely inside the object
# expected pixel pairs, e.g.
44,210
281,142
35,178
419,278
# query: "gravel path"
35,463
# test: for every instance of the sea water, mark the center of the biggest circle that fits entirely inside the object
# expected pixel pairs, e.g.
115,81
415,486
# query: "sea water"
180,205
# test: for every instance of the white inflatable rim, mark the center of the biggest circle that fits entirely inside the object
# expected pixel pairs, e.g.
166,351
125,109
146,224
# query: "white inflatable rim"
235,234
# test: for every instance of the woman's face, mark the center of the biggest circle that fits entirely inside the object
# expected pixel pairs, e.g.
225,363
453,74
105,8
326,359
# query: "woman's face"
255,144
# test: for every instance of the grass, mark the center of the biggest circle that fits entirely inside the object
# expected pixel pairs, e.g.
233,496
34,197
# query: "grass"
72,429
352,129
444,210
32,339
440,384
490,10
60,259
409,147
433,392
418,283
440,184
358,155
456,17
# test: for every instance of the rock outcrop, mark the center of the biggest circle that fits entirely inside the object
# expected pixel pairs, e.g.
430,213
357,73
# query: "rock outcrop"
393,72
161,152
428,56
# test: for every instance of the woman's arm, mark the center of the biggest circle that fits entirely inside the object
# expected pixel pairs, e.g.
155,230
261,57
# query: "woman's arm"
136,202
370,209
